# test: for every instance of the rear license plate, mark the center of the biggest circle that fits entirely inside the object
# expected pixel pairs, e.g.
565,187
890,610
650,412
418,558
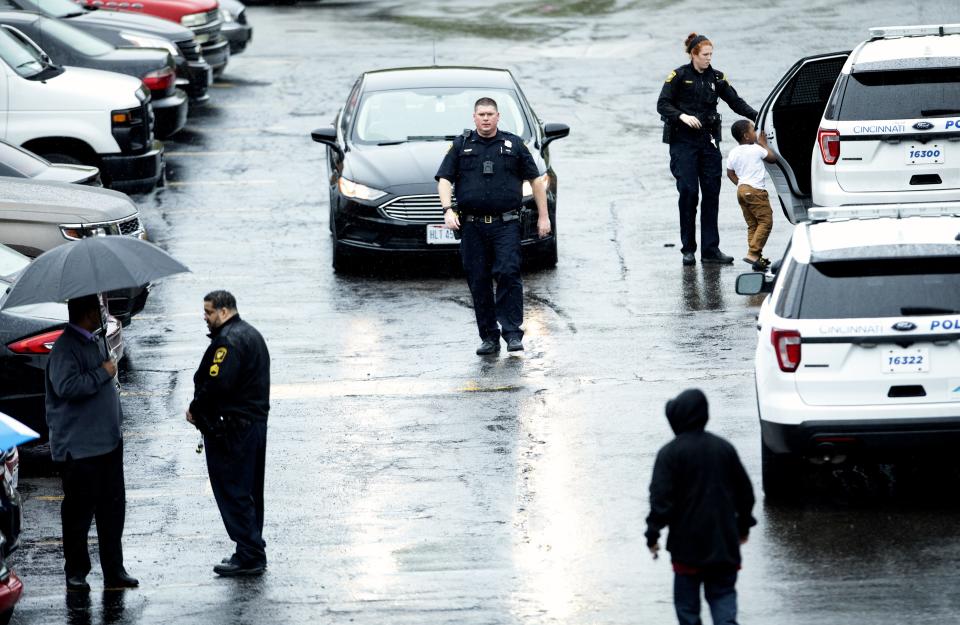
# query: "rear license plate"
440,235
925,154
910,360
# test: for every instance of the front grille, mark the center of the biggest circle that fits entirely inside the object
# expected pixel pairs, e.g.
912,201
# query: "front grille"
213,15
189,49
418,209
131,227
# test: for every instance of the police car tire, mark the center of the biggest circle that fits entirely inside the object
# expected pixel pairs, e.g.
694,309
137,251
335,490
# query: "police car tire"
342,262
781,475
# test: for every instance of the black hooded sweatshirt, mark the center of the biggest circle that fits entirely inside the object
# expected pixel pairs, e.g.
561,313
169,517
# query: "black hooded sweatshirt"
700,490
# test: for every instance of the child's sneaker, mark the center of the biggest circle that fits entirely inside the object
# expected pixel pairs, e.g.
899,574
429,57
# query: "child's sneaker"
762,264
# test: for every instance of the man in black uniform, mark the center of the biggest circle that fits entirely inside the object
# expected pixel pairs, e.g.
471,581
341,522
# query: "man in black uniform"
488,167
688,107
231,400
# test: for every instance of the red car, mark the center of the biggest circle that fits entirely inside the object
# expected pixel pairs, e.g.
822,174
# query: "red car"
10,518
200,16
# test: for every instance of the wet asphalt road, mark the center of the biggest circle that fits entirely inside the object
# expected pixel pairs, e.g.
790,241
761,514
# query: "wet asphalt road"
410,481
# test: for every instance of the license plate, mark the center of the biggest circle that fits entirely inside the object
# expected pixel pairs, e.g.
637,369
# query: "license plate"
925,154
440,235
911,360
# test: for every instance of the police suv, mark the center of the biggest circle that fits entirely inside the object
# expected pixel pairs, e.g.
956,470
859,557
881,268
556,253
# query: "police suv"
876,125
858,351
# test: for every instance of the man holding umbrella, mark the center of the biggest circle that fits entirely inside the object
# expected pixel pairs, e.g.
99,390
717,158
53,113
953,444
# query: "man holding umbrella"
83,414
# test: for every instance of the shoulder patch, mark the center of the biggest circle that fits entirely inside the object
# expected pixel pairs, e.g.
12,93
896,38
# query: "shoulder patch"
214,371
672,75
219,355
721,77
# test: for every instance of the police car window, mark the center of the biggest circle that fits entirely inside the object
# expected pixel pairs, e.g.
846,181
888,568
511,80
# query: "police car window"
880,288
398,115
905,94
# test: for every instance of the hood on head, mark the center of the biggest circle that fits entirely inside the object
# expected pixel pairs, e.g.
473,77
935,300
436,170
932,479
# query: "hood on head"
687,412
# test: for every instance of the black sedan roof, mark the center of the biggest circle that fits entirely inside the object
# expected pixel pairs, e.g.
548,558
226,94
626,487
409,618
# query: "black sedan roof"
407,77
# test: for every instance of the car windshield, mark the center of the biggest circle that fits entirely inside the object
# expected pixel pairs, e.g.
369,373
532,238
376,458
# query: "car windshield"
53,8
23,59
11,263
905,94
430,114
75,38
20,161
880,288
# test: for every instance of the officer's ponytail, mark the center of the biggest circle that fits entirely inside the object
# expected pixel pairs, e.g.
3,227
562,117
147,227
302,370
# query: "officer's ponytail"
694,42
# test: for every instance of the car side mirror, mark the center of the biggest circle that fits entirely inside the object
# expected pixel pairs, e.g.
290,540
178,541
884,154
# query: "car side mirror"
753,283
327,136
552,132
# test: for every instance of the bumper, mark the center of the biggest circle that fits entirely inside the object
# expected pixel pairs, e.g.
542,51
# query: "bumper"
828,192
238,35
216,54
170,114
126,303
874,437
195,78
11,520
134,172
10,591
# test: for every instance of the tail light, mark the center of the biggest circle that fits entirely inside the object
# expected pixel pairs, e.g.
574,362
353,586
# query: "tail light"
160,80
38,344
786,344
829,142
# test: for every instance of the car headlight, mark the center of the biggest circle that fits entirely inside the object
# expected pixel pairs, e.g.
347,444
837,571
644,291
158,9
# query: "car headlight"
193,19
145,41
75,232
528,188
225,15
359,191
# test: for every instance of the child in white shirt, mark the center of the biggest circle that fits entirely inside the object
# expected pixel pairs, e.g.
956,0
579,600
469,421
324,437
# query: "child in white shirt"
745,169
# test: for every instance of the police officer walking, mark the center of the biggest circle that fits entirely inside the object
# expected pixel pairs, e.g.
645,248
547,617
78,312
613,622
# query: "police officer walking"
230,404
688,107
488,167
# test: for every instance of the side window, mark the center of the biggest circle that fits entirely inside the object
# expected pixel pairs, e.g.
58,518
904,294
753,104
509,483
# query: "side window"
346,118
792,285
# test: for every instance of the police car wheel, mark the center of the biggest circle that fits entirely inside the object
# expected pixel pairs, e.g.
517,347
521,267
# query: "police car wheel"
781,475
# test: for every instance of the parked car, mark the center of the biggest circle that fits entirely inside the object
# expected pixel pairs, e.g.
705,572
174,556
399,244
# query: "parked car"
857,342
16,162
27,335
78,116
71,46
38,216
200,16
11,588
876,125
235,27
125,30
11,512
385,147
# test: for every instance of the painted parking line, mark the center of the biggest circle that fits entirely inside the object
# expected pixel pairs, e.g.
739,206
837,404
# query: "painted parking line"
199,183
198,153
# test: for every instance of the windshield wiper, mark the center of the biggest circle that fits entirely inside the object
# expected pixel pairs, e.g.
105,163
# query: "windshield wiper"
431,137
927,310
929,112
397,142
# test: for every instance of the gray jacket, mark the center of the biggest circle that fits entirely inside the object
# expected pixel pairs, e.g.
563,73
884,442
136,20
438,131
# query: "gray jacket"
83,406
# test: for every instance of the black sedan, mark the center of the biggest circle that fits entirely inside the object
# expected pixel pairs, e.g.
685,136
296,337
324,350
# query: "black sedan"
27,334
125,30
67,45
17,162
385,147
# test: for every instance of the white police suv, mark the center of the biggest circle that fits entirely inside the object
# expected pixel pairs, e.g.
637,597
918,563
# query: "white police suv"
858,350
877,125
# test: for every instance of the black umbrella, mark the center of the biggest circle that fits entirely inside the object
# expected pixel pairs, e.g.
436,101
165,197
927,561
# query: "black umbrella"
89,266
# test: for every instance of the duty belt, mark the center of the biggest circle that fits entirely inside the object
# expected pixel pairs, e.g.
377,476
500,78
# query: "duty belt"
489,219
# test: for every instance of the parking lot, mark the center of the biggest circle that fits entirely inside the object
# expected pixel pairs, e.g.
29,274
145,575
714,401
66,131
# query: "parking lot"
408,480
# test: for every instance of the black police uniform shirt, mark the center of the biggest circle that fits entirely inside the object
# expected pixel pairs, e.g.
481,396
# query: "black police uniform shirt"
494,192
233,379
696,93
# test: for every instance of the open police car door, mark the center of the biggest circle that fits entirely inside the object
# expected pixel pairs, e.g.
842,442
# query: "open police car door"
791,116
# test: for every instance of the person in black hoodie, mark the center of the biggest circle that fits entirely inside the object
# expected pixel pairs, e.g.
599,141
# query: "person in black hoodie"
701,491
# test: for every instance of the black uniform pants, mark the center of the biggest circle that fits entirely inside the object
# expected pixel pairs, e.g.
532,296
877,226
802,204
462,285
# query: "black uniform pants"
491,253
93,487
235,463
696,164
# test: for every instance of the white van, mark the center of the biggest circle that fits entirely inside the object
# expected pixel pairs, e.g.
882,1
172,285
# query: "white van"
79,116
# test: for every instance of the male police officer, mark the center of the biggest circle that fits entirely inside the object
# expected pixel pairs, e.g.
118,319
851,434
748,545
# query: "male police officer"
488,167
688,107
230,404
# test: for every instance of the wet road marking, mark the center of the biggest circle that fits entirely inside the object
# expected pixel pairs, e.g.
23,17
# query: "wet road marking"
376,388
198,153
223,85
195,183
240,129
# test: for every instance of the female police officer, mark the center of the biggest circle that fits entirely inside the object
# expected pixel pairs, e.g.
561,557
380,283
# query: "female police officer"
688,107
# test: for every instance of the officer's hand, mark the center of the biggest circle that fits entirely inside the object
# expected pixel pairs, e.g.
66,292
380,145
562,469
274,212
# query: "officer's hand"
451,220
190,417
655,550
110,366
691,121
543,227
